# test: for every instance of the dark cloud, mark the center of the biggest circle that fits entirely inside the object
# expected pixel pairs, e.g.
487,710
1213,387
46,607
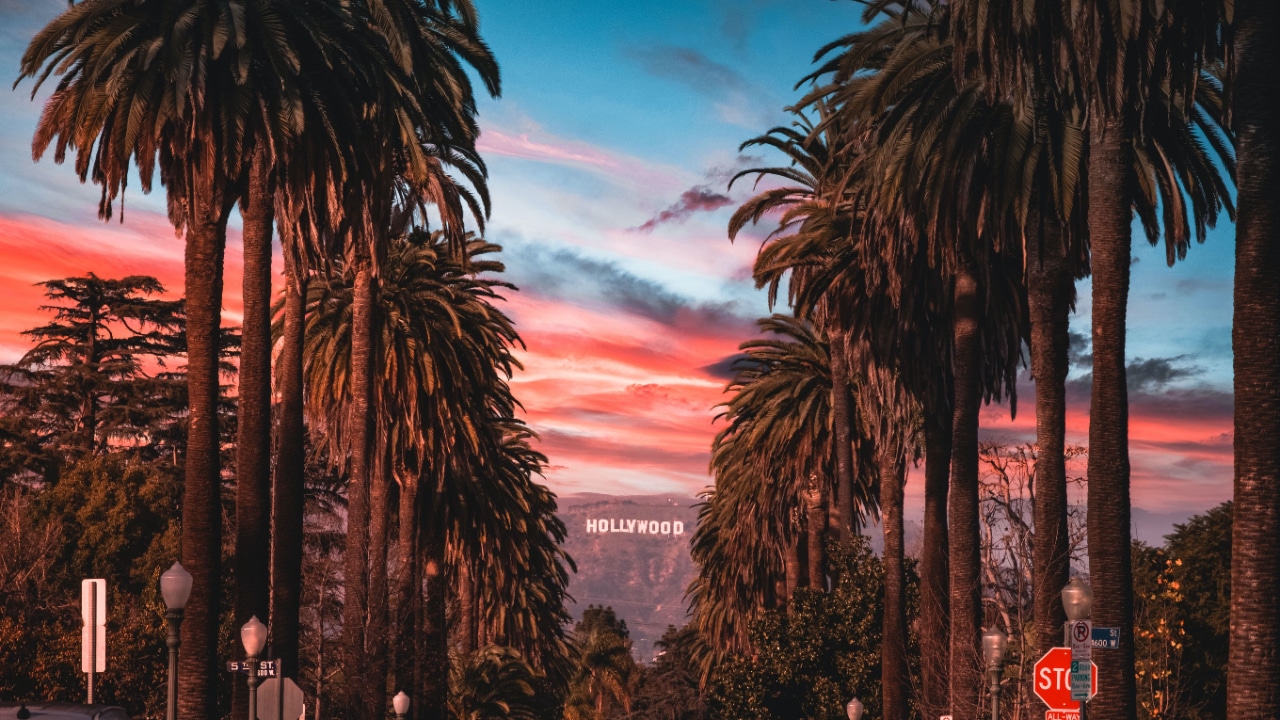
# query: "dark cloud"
1078,353
563,274
1143,376
696,199
726,368
1155,373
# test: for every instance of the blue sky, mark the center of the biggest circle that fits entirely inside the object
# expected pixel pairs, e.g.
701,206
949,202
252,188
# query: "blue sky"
613,116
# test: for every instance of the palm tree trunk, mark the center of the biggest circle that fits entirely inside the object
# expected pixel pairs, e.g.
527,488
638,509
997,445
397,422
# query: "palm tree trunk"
817,517
842,516
1110,564
253,412
791,564
201,495
467,608
288,508
378,633
935,601
1049,295
435,661
355,588
1253,678
893,648
966,597
409,593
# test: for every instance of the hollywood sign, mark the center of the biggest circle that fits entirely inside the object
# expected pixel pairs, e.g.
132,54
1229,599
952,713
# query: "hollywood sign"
642,527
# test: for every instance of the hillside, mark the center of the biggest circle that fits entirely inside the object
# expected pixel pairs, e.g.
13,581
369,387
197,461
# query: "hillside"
641,575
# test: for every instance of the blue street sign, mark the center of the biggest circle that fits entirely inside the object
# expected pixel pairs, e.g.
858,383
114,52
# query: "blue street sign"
1106,638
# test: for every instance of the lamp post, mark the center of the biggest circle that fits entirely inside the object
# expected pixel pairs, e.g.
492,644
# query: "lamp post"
400,703
994,646
253,635
854,709
1077,601
175,588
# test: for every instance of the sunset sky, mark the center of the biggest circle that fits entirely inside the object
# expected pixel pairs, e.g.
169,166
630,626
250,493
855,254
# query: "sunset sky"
609,155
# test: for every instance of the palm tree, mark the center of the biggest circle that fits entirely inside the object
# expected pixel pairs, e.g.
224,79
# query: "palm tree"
463,465
1254,671
129,91
924,176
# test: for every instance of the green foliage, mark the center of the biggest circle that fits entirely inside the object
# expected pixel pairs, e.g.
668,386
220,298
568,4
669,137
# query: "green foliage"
1182,607
110,518
668,689
605,676
808,664
497,683
90,380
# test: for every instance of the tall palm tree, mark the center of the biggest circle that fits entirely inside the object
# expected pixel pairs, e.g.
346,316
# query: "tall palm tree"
1130,64
1254,672
130,91
442,354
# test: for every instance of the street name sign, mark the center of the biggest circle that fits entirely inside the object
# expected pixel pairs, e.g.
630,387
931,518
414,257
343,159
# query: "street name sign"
265,669
1053,682
1106,638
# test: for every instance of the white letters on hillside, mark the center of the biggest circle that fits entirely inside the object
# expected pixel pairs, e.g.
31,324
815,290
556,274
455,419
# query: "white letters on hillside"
643,527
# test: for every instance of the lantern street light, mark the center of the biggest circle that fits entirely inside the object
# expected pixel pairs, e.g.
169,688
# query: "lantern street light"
253,635
995,644
400,703
1077,599
854,709
175,588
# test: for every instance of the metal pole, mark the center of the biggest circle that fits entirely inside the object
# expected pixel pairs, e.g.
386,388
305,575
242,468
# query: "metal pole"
280,690
995,694
253,687
174,641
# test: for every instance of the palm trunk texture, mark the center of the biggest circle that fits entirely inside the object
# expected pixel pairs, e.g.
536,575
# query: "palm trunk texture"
815,502
1253,679
201,497
356,558
1049,288
966,598
843,515
253,409
288,506
893,648
252,560
1110,561
408,592
935,600
435,661
378,633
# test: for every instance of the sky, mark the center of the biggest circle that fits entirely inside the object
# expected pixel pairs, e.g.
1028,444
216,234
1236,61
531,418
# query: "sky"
609,155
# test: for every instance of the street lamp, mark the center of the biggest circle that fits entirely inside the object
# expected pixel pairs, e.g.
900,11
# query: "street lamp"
994,646
854,709
175,588
1077,599
253,635
400,703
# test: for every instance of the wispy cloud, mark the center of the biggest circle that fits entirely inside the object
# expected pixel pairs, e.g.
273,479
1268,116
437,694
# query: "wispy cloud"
737,100
696,199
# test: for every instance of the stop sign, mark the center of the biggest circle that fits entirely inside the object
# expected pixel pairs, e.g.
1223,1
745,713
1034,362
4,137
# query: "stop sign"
1053,680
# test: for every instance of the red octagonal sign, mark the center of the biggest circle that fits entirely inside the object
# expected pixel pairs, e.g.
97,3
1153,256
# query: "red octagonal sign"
1053,680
